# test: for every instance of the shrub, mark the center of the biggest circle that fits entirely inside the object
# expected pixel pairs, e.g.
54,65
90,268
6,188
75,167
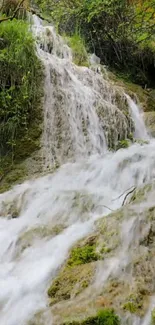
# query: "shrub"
20,81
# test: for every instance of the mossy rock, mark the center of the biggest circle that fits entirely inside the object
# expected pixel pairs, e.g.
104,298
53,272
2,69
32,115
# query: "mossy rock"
38,232
103,317
71,282
149,118
141,193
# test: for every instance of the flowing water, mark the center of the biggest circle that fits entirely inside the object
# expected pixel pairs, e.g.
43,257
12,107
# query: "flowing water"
40,220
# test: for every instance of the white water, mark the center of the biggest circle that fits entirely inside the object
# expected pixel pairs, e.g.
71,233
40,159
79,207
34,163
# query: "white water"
140,128
72,196
82,115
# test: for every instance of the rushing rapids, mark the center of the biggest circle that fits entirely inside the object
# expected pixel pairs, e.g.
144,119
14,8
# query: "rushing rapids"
84,108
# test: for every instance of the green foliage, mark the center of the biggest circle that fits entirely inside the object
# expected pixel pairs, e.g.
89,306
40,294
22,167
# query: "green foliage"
121,33
80,56
104,317
123,144
82,255
20,90
108,317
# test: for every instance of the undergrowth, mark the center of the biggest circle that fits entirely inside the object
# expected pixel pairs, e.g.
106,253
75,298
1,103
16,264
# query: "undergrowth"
20,94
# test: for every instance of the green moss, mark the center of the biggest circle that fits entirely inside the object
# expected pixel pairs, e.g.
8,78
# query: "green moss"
104,250
83,255
134,303
71,282
153,317
123,144
80,56
141,193
103,317
38,232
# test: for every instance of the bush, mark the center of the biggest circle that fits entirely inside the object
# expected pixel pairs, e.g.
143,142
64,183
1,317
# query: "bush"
20,81
121,33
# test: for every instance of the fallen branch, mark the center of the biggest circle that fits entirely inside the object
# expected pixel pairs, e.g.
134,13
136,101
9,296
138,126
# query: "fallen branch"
128,195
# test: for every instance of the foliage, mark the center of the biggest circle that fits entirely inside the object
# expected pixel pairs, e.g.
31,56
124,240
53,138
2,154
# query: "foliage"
123,144
82,255
108,317
19,87
80,56
120,32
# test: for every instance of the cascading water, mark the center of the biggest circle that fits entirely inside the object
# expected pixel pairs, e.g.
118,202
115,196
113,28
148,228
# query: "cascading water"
83,112
42,219
140,128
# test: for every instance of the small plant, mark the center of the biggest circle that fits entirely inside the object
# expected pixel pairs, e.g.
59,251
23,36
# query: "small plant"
83,255
134,303
108,317
122,144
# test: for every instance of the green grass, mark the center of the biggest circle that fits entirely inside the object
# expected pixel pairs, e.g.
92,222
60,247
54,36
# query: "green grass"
80,55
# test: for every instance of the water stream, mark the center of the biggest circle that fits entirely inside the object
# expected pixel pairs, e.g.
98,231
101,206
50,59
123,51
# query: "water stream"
88,174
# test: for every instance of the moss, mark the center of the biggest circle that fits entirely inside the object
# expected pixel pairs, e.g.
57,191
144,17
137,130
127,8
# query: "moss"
80,56
104,250
103,317
71,282
27,238
141,193
123,144
83,255
12,177
153,317
83,201
134,304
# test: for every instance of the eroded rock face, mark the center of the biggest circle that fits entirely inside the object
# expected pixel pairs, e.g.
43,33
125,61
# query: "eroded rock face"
123,274
149,118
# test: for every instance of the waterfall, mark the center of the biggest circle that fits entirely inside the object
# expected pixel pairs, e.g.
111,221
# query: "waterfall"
83,113
140,128
40,220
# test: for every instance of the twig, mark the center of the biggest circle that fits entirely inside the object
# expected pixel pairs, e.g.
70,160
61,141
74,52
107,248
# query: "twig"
122,193
127,195
102,205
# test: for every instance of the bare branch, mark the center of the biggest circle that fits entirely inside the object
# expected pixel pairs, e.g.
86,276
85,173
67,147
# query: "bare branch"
128,195
102,205
122,194
14,13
